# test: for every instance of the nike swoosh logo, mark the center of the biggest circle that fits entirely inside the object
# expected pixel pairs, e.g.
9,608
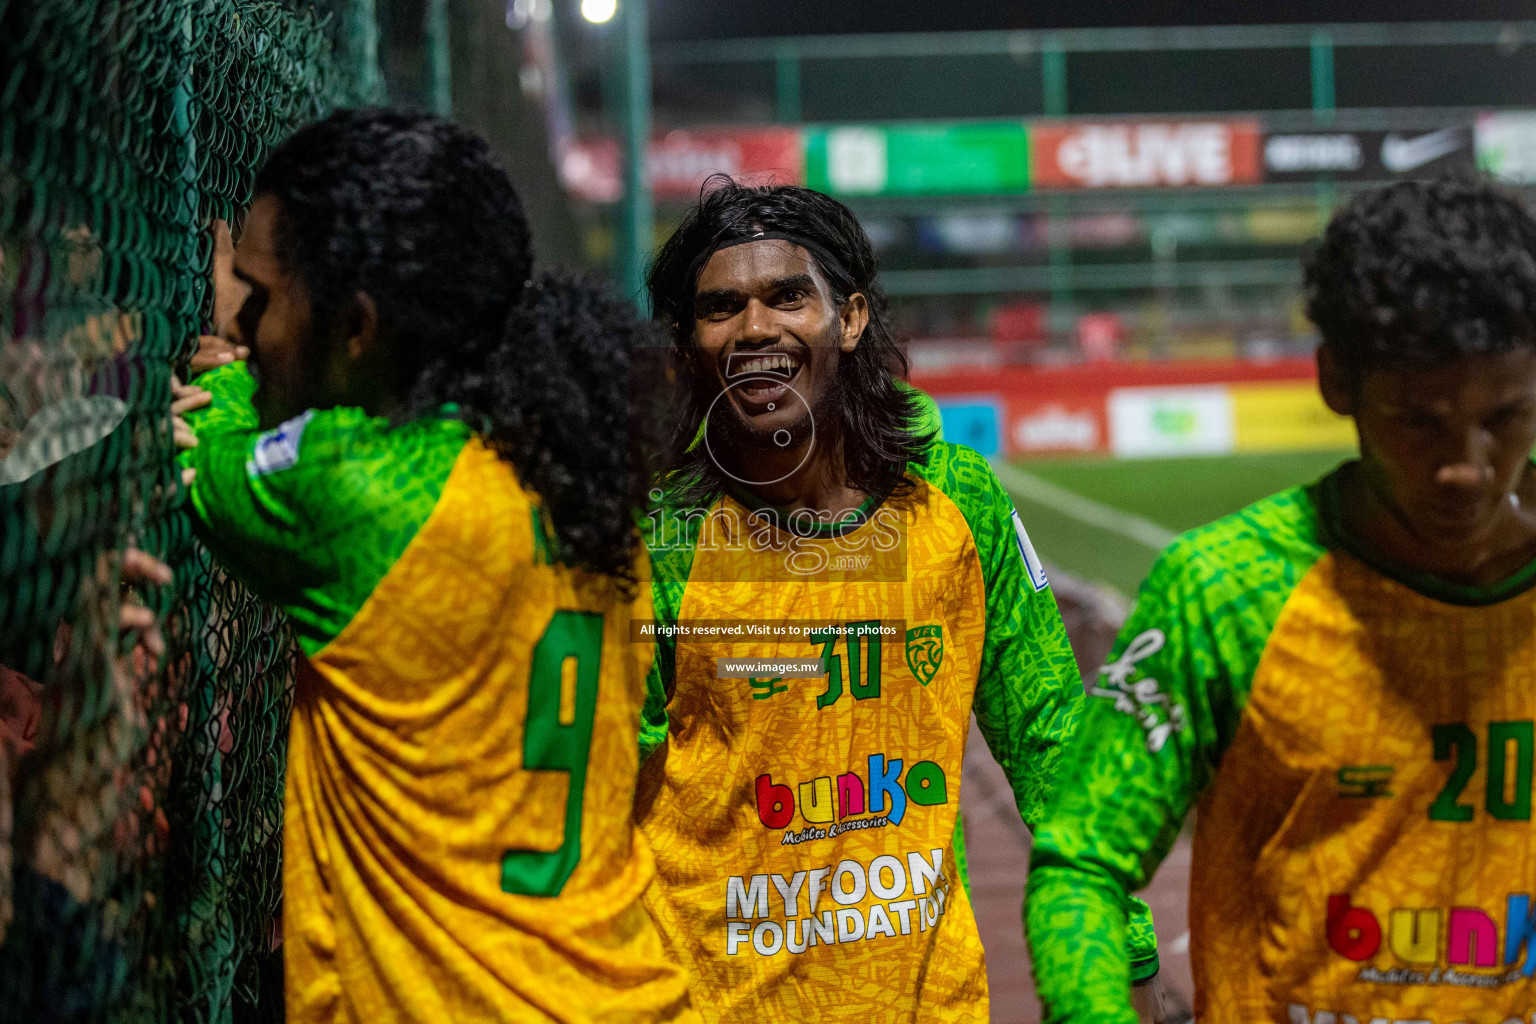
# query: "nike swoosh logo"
1400,155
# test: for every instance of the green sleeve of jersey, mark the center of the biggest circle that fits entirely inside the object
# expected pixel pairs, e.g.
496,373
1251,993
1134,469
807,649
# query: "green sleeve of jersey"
669,540
653,714
667,597
1029,696
312,514
1160,716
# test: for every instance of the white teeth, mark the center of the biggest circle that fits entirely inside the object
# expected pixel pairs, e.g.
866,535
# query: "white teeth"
772,362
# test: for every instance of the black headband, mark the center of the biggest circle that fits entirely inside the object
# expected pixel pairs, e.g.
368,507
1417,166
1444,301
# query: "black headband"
829,263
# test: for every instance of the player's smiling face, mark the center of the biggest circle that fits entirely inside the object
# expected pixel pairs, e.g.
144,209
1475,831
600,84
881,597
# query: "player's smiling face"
1446,446
772,332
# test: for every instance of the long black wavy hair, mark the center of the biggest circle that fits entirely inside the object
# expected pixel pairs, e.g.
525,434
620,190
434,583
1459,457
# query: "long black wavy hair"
874,415
1424,272
419,214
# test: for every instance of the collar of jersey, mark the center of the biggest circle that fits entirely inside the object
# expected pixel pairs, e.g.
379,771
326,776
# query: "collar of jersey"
780,516
1336,535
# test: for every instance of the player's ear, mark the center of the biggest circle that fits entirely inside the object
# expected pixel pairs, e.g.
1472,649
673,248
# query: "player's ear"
361,326
1334,381
854,317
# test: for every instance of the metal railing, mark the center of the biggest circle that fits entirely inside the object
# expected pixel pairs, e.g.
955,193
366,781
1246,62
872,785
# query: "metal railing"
1053,48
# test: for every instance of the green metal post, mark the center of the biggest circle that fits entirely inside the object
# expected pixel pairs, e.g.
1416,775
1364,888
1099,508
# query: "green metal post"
1322,75
1053,77
636,214
439,68
786,67
362,51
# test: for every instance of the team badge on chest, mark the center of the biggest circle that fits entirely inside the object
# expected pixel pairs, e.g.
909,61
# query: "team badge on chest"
925,652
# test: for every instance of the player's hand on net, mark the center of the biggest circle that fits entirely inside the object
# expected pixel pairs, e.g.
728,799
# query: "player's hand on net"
142,569
185,398
214,351
83,768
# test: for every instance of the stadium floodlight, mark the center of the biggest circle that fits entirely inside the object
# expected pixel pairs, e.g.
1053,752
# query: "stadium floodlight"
598,11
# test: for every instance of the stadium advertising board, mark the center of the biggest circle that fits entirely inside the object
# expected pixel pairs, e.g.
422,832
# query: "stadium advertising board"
1367,155
1052,424
679,161
974,421
1146,422
1286,417
1506,146
935,159
1144,154
1136,410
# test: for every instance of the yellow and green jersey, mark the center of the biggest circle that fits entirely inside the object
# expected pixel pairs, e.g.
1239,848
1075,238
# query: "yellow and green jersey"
1359,741
805,827
458,842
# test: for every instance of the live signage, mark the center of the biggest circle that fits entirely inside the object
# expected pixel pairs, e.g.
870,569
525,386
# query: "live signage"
1143,154
1367,155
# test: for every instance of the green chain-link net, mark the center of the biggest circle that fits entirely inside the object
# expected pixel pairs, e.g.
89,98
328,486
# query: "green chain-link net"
140,798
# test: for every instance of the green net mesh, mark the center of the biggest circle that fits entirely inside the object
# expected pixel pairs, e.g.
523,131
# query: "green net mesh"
140,797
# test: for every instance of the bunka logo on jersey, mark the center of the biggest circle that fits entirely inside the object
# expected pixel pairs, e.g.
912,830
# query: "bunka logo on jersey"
1431,942
825,802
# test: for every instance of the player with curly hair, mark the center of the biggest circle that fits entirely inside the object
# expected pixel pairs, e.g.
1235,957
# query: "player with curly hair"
805,823
436,479
1342,675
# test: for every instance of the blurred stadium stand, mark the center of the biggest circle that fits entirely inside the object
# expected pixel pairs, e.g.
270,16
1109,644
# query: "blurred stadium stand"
1048,198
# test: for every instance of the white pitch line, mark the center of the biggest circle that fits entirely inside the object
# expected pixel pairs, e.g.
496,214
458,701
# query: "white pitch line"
1084,510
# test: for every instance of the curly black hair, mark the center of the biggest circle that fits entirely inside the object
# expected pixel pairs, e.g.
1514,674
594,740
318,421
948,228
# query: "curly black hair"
418,213
1425,272
874,415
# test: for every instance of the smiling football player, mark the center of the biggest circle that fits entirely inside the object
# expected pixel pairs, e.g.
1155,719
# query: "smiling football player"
804,816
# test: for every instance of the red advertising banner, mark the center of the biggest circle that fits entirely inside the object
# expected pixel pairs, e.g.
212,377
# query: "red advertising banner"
680,161
1070,421
1143,154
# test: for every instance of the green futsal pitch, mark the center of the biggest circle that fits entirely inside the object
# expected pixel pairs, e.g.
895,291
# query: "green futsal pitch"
1104,519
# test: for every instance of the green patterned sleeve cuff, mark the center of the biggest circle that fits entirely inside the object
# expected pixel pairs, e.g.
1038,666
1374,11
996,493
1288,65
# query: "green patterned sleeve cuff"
1141,942
232,409
1077,929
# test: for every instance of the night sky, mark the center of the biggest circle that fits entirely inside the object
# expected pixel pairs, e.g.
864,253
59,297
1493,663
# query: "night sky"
714,19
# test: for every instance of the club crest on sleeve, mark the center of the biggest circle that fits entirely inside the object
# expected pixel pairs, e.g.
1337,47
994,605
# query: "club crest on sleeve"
1032,563
278,449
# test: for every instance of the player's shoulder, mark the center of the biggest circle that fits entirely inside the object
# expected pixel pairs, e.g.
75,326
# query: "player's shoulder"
960,473
347,463
324,439
1275,538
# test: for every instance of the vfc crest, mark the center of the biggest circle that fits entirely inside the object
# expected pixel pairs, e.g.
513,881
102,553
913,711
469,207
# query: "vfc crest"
925,652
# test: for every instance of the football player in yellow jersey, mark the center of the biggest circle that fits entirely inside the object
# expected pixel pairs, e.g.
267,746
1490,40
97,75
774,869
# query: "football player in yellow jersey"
435,479
804,816
1343,675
